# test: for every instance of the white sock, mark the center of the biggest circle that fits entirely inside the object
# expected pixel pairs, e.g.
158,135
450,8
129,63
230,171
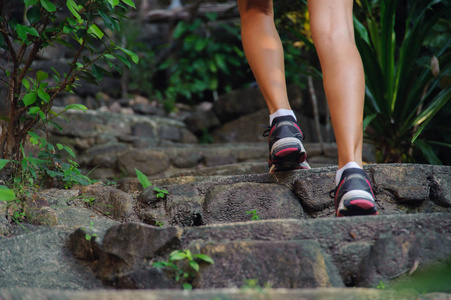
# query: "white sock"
351,164
280,113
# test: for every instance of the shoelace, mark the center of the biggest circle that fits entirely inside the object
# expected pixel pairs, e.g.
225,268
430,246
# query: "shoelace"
268,130
332,193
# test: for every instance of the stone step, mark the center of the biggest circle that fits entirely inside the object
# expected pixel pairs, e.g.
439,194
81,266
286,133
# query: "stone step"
109,161
293,246
229,294
359,251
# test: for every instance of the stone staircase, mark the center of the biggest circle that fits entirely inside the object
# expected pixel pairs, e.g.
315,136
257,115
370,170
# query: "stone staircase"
297,250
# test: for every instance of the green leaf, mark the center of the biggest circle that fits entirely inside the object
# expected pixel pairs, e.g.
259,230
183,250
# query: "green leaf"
34,110
22,31
41,75
124,60
187,286
204,257
113,2
29,99
26,83
132,55
108,21
142,179
49,6
3,163
76,106
129,3
30,2
367,120
177,255
96,31
194,265
56,72
189,255
428,152
56,125
69,150
44,95
42,115
73,8
6,194
97,72
34,15
434,107
160,264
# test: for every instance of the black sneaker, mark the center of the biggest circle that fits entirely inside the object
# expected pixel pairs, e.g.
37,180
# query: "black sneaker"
354,195
286,151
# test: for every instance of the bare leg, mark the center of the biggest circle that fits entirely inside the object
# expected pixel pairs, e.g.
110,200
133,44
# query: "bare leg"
344,81
264,51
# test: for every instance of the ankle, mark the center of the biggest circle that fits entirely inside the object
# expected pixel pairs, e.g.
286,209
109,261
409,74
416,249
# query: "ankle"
351,164
281,113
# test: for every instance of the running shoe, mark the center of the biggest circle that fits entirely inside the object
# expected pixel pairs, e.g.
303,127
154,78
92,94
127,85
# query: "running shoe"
286,151
354,196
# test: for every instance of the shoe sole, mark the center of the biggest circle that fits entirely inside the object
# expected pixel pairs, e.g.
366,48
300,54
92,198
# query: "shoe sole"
289,155
357,207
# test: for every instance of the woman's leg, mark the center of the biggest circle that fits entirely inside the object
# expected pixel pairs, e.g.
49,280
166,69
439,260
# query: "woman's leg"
264,51
344,84
344,80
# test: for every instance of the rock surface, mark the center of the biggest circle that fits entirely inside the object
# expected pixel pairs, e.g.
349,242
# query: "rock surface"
295,245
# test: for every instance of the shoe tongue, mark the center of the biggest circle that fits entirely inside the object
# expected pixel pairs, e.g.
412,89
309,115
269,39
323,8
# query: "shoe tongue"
281,119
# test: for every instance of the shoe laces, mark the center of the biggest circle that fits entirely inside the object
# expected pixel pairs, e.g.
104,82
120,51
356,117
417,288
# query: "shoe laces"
267,131
332,193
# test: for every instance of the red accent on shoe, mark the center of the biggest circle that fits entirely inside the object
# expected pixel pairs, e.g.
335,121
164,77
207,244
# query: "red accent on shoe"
286,151
362,203
336,193
370,187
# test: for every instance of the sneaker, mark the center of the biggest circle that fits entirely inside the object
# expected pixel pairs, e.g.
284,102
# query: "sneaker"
286,151
354,195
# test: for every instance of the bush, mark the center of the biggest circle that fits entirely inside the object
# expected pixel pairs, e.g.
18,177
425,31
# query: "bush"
30,92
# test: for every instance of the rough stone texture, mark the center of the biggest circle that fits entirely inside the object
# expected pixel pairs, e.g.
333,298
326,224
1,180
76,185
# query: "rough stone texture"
362,250
313,191
37,211
143,130
243,129
324,252
199,121
186,203
147,161
149,278
135,242
246,128
237,103
347,240
391,257
240,102
268,262
224,203
184,158
440,191
109,200
408,183
229,294
39,259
